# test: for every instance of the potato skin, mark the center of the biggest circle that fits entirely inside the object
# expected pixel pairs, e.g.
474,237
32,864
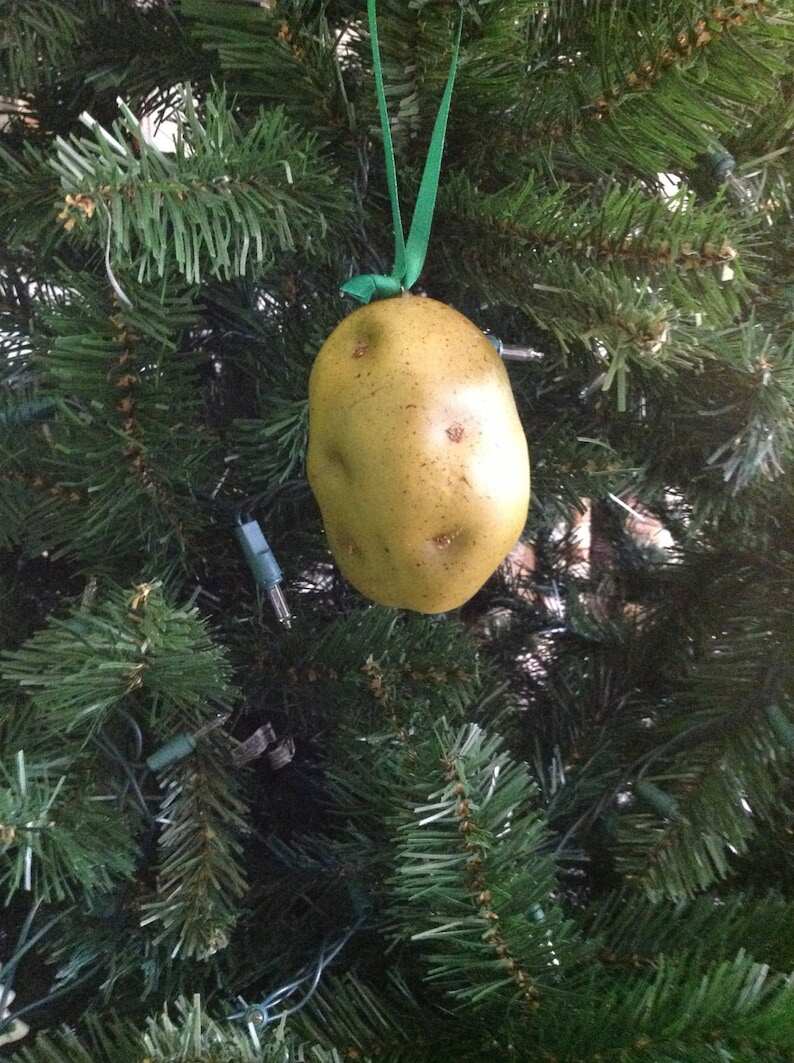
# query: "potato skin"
416,456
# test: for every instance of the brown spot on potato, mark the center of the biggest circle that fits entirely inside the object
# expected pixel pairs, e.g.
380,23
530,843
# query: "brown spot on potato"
446,539
335,458
456,432
360,350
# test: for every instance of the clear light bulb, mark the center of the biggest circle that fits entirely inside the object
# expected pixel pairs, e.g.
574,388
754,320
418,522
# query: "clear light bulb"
279,603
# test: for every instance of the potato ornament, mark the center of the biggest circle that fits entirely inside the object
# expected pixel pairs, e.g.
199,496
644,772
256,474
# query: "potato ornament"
416,454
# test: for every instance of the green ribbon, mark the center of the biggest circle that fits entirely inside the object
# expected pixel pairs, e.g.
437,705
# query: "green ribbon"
409,257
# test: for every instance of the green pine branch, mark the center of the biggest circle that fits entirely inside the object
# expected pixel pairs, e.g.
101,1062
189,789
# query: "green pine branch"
728,434
109,45
108,453
712,927
28,204
227,199
384,1020
738,416
664,716
626,226
131,649
37,40
132,654
280,54
721,755
648,88
407,664
60,838
274,446
16,508
200,877
472,884
638,275
185,1032
673,1012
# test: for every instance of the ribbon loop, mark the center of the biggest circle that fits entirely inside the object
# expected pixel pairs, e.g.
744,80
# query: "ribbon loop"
409,258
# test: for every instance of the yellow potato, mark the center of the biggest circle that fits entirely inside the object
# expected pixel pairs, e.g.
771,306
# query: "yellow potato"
416,454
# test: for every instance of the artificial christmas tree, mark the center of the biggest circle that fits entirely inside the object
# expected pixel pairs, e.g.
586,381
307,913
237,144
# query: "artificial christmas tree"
245,813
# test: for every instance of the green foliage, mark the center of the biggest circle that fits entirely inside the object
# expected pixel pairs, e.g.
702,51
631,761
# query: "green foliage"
186,1033
128,655
440,675
200,877
711,926
35,42
284,56
61,54
59,837
105,942
633,273
613,879
224,196
670,1013
131,648
14,512
472,885
110,374
348,1011
649,86
28,207
729,738
24,409
270,351
760,393
384,1020
275,447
